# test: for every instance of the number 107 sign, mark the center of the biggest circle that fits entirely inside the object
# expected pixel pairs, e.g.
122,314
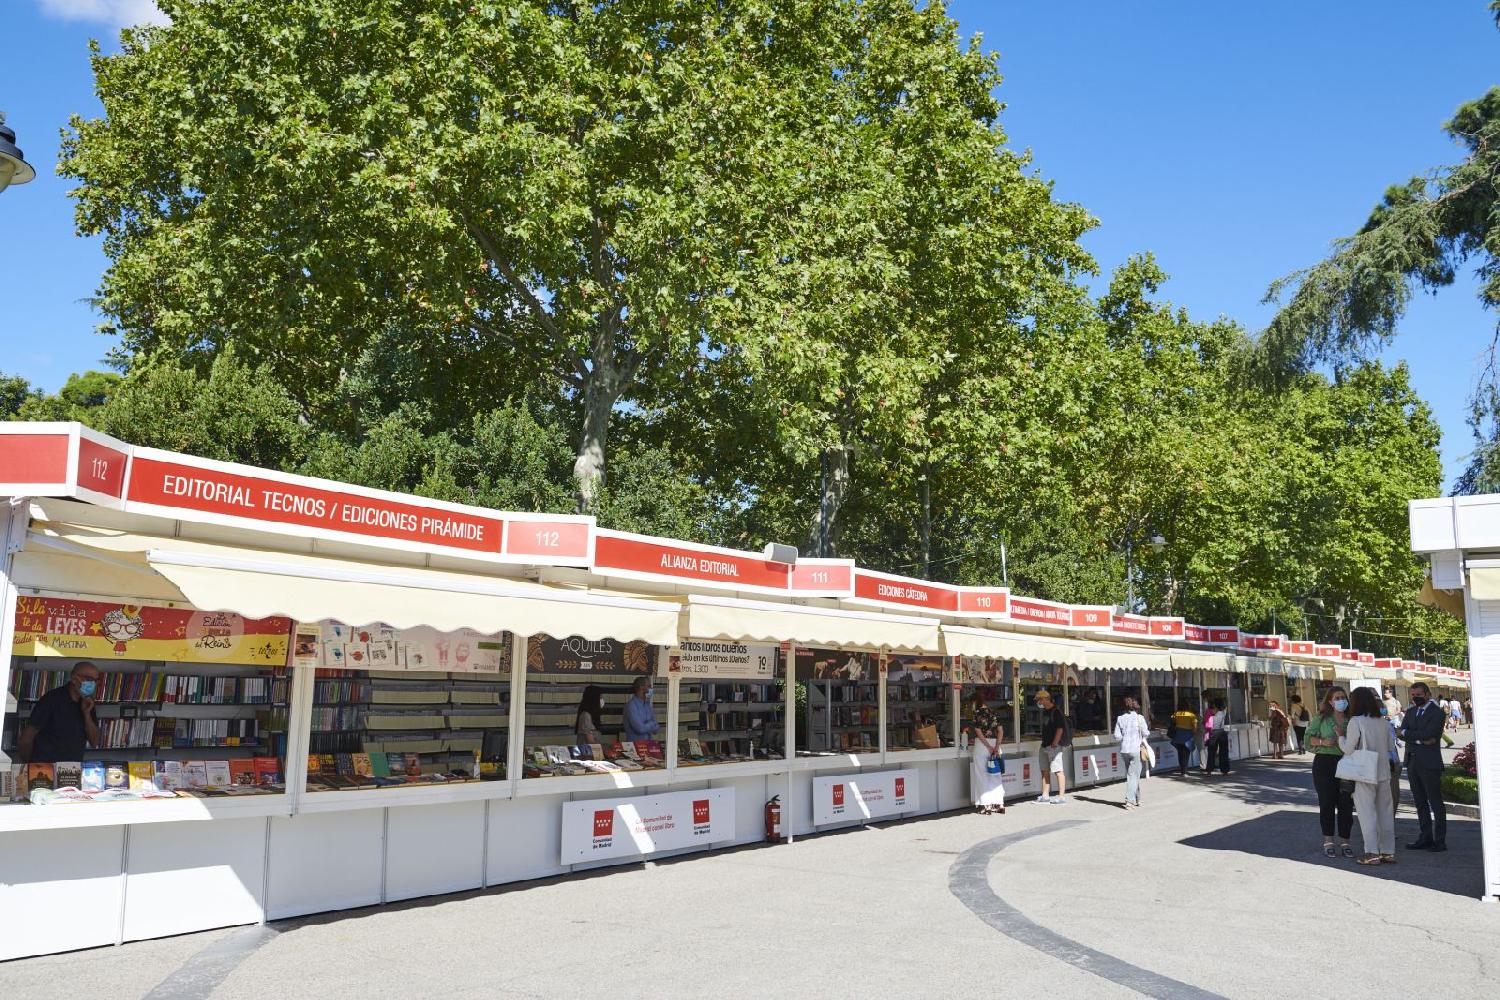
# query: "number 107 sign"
709,658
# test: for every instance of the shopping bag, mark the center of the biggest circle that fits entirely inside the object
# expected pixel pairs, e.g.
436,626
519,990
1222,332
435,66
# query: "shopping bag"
993,766
1291,740
1361,765
925,737
1148,754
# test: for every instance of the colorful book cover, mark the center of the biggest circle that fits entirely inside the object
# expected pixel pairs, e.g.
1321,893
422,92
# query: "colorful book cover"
67,774
116,775
39,776
380,765
413,765
314,765
267,771
628,749
344,764
362,765
142,774
194,774
168,775
218,773
242,771
93,776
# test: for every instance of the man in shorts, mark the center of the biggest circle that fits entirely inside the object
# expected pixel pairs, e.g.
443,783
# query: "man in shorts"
1056,742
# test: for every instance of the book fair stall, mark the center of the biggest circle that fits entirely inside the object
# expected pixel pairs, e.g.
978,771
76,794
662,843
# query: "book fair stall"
234,694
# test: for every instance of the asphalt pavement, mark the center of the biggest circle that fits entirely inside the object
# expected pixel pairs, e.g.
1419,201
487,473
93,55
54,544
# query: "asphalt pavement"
1215,887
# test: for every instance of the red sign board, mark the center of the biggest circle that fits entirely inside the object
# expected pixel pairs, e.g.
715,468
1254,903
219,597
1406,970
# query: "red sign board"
1167,628
700,811
984,602
904,591
1367,658
1087,617
100,467
834,577
1349,655
1327,652
34,458
616,553
1302,647
604,822
1035,612
1132,624
525,537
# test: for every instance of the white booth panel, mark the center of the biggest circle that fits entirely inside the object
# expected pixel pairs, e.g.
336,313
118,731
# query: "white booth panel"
525,838
60,889
751,793
325,861
952,784
178,879
433,848
1484,660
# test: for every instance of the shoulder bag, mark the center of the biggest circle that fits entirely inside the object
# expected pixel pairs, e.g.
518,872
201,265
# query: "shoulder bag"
1359,765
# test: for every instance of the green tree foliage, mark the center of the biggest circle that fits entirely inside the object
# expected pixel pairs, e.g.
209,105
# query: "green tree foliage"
14,392
81,396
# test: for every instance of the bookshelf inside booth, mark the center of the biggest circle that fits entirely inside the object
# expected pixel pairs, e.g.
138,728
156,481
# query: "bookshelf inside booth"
987,693
735,695
195,729
917,703
843,701
561,675
387,714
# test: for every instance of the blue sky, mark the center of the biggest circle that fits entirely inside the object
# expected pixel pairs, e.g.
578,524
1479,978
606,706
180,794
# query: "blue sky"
1233,141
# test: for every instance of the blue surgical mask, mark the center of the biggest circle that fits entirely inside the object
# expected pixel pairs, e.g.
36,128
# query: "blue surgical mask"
1341,703
648,693
87,688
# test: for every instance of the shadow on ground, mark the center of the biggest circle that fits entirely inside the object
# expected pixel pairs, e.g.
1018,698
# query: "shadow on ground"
1294,835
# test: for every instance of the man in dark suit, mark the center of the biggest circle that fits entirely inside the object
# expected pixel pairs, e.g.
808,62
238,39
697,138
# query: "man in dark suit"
1422,729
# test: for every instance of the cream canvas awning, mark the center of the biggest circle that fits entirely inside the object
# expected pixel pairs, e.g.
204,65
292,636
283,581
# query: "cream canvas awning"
707,617
1200,659
962,640
258,583
1114,656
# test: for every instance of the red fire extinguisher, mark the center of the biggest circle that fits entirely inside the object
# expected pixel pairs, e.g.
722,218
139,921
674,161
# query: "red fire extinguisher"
773,818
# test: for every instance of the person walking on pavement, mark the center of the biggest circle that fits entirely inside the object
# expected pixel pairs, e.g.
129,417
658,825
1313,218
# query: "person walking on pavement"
1280,723
1366,730
1131,730
1218,747
1422,729
1184,726
1299,721
1056,739
1335,799
1392,706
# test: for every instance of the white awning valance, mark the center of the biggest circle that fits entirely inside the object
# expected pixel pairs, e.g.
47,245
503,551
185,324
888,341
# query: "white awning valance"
765,621
962,640
1113,656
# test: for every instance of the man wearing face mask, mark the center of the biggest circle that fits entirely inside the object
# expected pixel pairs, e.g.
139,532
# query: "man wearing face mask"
640,717
63,720
1422,729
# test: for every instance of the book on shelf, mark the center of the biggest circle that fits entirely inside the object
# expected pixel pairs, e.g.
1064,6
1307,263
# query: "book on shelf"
93,776
39,775
267,771
194,773
217,773
141,775
67,774
169,775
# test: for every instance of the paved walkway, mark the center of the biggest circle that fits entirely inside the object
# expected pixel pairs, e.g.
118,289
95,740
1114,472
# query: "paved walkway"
1217,887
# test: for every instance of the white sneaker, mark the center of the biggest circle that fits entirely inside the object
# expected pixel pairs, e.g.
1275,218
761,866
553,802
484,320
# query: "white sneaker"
1059,800
1043,799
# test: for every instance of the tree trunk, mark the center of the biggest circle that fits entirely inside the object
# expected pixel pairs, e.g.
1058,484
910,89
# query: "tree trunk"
835,481
588,466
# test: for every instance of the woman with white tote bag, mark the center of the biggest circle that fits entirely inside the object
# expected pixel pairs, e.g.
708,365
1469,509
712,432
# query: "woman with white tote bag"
1367,746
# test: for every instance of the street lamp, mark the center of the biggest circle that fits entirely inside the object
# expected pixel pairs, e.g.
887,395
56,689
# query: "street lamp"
13,166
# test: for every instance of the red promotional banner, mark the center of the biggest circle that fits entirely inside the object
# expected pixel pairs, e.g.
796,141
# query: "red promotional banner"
1132,625
904,591
616,553
279,501
1033,611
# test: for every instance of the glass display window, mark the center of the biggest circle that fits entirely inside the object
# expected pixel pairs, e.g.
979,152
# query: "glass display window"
1122,684
111,700
395,708
732,698
1161,698
1087,701
841,701
596,706
1033,679
918,703
987,697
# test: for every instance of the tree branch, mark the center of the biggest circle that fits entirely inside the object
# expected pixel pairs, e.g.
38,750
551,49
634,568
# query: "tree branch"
534,305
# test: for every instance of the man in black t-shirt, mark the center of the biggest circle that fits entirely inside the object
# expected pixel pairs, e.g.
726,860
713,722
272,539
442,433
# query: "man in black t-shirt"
1056,739
62,720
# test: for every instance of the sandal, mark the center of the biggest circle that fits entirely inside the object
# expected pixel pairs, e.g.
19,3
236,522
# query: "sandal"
1329,851
1387,859
1347,851
1369,859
